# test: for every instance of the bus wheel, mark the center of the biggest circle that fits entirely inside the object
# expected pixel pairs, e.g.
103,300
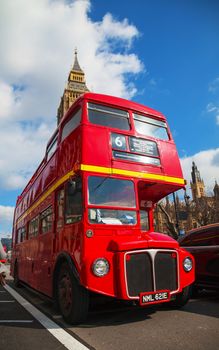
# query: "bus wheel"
73,299
16,276
181,298
194,291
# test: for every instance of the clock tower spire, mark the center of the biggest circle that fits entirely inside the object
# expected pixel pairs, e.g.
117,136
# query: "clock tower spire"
75,87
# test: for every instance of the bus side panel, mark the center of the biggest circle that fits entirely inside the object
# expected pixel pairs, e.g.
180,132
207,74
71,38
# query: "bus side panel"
69,152
45,253
96,146
170,159
49,173
70,240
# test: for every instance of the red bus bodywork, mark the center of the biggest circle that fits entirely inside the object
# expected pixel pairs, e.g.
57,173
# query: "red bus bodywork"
102,156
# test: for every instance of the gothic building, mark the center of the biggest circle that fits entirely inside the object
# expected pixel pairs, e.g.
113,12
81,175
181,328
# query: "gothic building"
197,184
216,191
75,87
189,213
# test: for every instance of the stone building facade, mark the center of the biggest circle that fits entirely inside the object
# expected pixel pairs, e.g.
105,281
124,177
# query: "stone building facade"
188,213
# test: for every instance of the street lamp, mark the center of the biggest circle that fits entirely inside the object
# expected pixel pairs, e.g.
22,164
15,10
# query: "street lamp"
176,212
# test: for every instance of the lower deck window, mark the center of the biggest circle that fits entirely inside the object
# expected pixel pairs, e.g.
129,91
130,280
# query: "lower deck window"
21,234
33,227
144,220
73,201
46,220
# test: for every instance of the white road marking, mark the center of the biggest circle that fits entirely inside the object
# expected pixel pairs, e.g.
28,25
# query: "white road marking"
2,291
59,333
16,321
7,301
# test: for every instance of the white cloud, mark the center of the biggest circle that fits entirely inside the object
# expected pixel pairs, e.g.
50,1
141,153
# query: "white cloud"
9,100
208,165
6,218
39,39
213,107
214,85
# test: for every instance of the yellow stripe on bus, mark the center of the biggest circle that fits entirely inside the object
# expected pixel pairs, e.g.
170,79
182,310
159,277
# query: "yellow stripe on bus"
102,170
138,174
46,194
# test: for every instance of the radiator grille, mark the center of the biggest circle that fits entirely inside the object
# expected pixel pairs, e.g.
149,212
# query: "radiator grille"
149,271
139,273
165,271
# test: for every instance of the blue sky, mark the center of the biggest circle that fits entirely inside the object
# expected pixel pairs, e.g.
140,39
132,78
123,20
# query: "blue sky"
164,54
178,44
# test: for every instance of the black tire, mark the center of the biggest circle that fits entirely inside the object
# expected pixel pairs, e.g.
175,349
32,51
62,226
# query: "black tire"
72,298
181,298
194,291
17,283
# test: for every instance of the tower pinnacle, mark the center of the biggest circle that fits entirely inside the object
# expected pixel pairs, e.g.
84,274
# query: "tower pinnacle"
75,87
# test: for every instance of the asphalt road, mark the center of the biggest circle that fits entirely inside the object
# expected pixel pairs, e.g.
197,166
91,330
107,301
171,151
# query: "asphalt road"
113,325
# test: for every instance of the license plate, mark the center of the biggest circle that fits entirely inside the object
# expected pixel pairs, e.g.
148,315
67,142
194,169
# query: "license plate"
159,296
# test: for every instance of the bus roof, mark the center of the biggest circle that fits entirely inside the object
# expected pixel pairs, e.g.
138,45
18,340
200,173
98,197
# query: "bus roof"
117,101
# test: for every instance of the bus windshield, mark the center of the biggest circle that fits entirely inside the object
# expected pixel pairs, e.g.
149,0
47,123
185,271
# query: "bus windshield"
105,191
151,127
111,192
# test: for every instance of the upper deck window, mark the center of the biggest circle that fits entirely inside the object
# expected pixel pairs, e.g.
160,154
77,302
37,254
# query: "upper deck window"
151,127
52,147
71,124
107,116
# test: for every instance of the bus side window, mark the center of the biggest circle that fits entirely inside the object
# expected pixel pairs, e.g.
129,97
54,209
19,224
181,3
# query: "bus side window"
33,227
21,234
51,147
18,235
60,209
73,201
46,220
71,124
144,220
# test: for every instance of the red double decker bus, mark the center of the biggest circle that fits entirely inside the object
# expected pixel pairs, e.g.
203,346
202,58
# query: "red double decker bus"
84,222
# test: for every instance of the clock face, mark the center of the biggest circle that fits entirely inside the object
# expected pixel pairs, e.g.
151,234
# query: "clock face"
76,86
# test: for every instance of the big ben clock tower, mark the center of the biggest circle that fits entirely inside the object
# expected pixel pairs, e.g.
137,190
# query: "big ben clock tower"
76,86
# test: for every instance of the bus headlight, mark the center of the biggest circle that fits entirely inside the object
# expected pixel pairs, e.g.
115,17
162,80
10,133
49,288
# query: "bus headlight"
100,267
187,264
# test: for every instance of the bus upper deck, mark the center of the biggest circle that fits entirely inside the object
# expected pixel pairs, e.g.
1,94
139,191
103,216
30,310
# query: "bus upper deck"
112,136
